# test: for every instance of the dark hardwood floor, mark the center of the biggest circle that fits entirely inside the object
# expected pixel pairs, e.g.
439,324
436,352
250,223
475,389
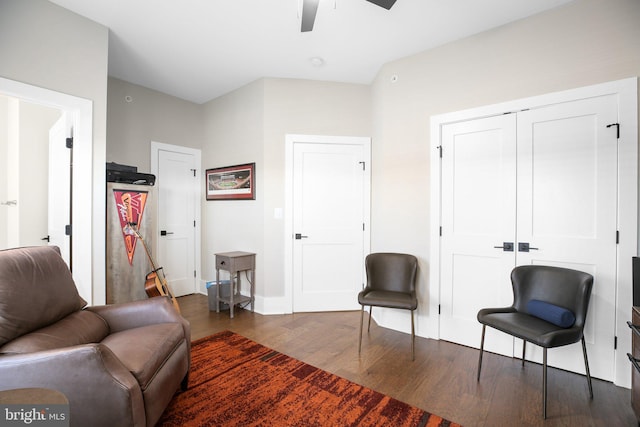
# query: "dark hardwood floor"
441,380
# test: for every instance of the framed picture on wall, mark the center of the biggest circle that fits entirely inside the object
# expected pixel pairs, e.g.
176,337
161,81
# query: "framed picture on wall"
231,182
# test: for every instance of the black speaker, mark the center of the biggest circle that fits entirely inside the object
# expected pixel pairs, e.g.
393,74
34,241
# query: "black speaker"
130,177
636,281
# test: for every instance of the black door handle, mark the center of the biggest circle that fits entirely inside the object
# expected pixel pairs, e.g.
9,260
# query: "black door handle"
524,247
300,236
46,238
506,247
165,232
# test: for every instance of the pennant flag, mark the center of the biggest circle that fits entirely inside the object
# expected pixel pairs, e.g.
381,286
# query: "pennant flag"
130,206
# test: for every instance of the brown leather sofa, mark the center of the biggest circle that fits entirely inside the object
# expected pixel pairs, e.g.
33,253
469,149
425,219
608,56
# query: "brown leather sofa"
118,365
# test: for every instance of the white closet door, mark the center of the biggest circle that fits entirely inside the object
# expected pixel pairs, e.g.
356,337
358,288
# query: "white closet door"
567,189
551,184
478,214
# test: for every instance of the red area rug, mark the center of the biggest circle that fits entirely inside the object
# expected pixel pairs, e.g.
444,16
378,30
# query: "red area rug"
237,382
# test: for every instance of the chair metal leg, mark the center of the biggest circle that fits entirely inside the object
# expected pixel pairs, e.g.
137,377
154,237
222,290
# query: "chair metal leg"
524,346
544,382
413,338
361,322
369,325
481,350
586,367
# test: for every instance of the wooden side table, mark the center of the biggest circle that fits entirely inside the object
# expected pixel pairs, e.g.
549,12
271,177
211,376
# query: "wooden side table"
234,263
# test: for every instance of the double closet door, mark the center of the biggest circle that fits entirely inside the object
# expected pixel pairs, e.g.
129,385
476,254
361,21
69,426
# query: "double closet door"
531,187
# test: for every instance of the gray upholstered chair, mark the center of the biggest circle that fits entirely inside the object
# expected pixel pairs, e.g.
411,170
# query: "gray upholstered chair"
391,279
549,309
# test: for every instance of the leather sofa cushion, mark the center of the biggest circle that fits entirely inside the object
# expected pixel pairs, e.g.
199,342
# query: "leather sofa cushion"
36,290
145,350
80,327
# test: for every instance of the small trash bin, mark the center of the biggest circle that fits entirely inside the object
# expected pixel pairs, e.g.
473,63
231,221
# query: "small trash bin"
225,288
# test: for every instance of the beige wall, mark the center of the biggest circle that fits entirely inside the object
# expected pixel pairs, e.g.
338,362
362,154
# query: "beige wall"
249,125
46,46
301,107
148,115
234,135
583,43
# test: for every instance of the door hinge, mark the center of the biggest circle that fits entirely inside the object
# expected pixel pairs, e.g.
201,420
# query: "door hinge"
440,231
194,223
439,309
617,237
67,230
617,125
363,226
194,273
439,147
69,142
194,172
363,165
615,343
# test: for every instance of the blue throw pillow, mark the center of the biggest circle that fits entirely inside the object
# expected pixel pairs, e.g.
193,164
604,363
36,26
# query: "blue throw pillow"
559,316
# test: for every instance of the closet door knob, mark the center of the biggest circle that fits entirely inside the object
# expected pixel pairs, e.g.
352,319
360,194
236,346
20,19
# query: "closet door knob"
524,247
506,247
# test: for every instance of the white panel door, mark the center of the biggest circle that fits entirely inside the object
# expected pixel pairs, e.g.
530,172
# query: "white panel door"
176,220
551,184
567,198
478,218
328,219
59,203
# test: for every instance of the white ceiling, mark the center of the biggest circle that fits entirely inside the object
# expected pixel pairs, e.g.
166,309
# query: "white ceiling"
200,49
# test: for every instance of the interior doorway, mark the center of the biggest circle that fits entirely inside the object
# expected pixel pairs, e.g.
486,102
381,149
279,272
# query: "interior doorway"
80,112
26,161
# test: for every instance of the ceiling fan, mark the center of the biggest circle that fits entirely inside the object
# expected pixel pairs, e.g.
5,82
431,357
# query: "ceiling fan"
310,7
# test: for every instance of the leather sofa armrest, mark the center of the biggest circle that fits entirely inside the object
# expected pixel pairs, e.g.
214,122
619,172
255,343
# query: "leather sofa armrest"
100,389
135,314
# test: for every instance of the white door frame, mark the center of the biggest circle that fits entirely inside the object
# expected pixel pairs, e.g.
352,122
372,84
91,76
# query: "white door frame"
88,211
286,304
156,147
626,91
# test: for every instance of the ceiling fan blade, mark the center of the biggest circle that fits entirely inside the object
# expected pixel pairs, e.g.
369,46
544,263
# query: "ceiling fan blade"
309,9
387,4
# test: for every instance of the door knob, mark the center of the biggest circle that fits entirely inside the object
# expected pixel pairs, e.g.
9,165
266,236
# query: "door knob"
506,247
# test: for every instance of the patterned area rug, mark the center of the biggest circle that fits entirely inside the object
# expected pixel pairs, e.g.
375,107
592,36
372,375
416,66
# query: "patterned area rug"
237,382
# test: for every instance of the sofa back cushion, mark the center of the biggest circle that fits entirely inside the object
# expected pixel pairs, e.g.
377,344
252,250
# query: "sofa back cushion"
36,290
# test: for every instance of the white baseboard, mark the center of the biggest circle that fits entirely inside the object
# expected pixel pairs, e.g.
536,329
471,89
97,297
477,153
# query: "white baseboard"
262,305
